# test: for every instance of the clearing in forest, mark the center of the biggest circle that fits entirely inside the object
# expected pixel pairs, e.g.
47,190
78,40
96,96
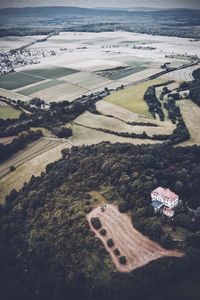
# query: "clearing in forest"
138,249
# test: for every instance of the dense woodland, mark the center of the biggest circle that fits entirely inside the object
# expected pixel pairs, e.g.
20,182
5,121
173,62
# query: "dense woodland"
47,249
45,20
194,87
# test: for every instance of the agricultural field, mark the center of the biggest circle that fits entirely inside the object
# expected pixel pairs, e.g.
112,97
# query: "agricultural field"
88,136
63,91
50,72
13,95
181,75
31,89
30,161
89,62
191,116
138,249
90,120
16,80
131,98
12,42
87,80
8,112
7,140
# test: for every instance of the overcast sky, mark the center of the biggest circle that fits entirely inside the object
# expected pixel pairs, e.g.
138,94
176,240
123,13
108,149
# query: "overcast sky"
103,3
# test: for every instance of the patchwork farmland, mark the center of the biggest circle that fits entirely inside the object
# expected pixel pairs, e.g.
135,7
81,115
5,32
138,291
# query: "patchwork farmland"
88,62
107,60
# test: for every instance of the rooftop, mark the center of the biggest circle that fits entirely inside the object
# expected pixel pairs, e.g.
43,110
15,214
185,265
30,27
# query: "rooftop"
165,193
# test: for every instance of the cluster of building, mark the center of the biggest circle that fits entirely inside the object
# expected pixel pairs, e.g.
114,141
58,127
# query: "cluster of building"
13,59
9,60
164,201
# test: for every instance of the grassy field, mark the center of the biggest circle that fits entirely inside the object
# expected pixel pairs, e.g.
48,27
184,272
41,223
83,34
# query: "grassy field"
30,161
16,80
51,72
9,112
39,87
132,98
191,116
98,121
87,136
63,91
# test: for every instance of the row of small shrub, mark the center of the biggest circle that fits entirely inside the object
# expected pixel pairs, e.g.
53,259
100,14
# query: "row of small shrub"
96,223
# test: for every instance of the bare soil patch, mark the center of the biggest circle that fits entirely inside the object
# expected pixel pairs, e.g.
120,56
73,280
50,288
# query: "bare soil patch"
138,249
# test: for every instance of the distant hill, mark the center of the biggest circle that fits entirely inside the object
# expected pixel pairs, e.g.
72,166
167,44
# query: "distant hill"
55,10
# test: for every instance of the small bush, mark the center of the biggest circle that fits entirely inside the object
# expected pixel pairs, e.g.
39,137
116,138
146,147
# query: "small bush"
96,223
87,202
12,169
88,209
103,232
123,207
117,252
110,243
122,260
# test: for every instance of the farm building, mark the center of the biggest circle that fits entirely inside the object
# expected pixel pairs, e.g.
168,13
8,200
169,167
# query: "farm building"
164,200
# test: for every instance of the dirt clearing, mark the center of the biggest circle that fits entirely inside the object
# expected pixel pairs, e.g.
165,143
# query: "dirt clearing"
138,249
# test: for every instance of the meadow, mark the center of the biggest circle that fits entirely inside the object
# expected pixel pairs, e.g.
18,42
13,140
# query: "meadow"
131,98
30,161
8,112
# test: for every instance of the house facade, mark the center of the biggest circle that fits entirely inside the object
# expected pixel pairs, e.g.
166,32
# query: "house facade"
165,200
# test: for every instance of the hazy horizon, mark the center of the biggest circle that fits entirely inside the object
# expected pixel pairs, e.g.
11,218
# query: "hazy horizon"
102,3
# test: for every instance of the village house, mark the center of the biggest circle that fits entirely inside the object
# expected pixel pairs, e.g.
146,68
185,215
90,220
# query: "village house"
164,200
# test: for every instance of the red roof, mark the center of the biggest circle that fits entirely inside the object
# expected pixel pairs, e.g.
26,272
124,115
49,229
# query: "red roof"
166,194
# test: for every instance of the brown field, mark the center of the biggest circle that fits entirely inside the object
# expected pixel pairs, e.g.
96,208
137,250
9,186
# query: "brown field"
7,140
138,249
89,136
98,121
141,75
31,161
63,91
191,116
120,112
13,95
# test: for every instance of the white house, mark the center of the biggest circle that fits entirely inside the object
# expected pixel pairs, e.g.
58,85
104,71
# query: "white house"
164,199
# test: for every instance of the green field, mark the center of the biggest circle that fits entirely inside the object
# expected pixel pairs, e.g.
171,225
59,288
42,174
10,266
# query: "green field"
119,74
51,72
132,98
39,87
140,42
16,80
9,112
